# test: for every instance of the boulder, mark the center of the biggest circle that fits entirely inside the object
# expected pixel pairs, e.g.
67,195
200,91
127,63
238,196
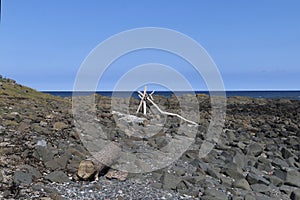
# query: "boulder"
34,172
260,188
214,194
233,171
288,189
254,179
170,181
249,197
295,195
255,149
58,177
292,178
275,180
43,153
286,153
57,163
242,183
22,178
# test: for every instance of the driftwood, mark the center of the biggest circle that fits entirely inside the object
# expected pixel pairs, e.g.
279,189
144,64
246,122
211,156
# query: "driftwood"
144,96
130,118
91,167
172,114
142,102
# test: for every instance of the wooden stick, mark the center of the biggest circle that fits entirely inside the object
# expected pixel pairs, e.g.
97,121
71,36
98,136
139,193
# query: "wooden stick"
141,94
150,95
143,97
145,107
172,114
167,113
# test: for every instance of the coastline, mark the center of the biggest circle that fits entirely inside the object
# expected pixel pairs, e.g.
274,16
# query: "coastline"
256,156
272,94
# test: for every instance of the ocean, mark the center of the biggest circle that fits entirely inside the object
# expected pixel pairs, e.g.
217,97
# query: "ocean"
292,95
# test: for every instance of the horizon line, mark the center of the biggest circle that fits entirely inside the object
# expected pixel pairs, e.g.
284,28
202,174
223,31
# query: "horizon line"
230,90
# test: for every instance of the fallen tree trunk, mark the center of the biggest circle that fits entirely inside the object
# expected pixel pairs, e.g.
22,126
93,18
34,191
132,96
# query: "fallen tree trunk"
91,167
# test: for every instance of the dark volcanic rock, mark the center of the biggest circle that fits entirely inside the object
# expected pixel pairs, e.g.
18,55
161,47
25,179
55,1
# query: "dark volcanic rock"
275,180
254,179
288,189
43,153
260,188
280,174
35,173
249,197
295,195
254,149
286,153
214,194
233,171
280,163
170,181
58,177
293,177
57,163
22,178
242,183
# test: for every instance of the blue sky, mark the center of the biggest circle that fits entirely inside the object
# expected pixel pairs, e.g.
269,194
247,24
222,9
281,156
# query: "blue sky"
255,44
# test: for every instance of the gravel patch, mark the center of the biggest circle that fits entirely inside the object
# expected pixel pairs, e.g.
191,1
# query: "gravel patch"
102,189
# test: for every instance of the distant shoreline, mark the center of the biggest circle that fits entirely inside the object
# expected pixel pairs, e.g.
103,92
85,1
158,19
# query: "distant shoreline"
292,95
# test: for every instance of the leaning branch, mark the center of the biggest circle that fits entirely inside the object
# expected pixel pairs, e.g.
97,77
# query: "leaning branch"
172,114
164,112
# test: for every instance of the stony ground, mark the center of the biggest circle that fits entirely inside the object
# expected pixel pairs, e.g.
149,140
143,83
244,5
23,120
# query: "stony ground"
257,155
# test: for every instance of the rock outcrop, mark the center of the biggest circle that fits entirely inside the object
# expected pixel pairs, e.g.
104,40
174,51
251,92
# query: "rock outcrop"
256,157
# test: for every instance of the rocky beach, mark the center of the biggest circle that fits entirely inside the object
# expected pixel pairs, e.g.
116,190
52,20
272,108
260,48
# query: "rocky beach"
257,155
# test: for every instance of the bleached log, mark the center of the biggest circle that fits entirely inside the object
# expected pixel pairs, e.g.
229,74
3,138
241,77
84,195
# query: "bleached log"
91,167
142,99
129,118
144,96
141,94
144,107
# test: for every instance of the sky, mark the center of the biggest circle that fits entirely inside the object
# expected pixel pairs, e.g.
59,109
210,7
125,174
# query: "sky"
254,44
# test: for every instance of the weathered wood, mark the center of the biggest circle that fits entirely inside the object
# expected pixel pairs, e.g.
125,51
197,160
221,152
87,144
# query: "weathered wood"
130,118
86,169
150,98
142,99
91,167
172,114
144,107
